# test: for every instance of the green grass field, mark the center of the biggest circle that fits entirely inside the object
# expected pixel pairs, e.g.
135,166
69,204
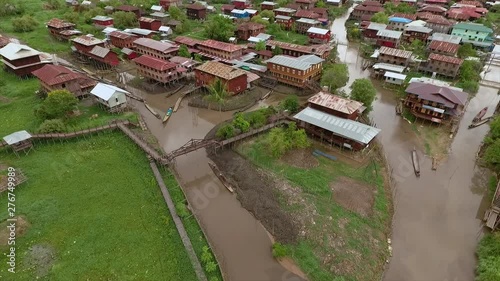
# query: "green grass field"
96,204
359,257
18,100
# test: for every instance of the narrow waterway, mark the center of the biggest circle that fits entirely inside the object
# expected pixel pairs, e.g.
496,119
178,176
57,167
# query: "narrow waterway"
241,243
437,220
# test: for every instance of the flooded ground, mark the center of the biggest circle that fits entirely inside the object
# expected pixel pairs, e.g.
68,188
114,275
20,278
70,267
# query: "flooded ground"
242,245
437,221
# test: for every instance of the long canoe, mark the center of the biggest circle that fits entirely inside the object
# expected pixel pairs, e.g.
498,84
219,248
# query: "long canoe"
480,115
416,164
167,115
221,177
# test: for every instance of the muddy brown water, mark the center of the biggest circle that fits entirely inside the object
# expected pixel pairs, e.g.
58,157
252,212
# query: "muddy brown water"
437,220
241,243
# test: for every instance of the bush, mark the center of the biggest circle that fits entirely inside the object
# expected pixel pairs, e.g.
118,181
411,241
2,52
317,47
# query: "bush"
225,132
256,119
123,19
56,105
279,251
54,4
240,123
210,267
51,126
291,104
488,252
181,210
206,256
24,24
280,140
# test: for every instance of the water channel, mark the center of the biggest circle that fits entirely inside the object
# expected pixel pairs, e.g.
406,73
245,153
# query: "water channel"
436,223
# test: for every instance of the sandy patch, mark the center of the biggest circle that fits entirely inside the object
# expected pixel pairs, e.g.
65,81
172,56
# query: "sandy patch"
40,258
22,226
353,195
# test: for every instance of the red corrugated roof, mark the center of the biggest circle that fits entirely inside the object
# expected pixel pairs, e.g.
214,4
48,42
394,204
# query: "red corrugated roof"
227,47
406,16
158,64
121,34
196,6
251,26
444,58
442,46
227,7
368,8
307,14
56,74
187,41
58,23
438,19
146,19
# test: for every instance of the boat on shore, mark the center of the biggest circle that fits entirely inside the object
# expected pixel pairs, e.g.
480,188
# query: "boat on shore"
480,115
416,164
156,114
221,177
168,114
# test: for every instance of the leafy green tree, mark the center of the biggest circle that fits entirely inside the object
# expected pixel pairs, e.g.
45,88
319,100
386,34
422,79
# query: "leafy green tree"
72,17
278,143
466,50
226,131
256,118
321,4
217,93
488,252
11,7
495,128
57,104
183,51
210,266
88,15
51,126
492,155
380,17
418,48
24,24
279,251
219,28
363,91
240,123
268,14
391,8
260,46
54,4
176,13
259,19
469,76
277,51
290,103
336,76
123,19
198,58
298,138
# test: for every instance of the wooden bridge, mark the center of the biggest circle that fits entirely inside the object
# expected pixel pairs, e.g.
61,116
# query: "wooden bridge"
190,146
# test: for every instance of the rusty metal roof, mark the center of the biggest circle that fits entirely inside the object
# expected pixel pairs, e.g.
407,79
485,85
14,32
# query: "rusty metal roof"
87,40
155,63
444,95
446,59
196,6
121,34
307,14
146,19
55,74
58,23
100,52
187,41
442,46
250,26
227,47
335,102
220,70
155,45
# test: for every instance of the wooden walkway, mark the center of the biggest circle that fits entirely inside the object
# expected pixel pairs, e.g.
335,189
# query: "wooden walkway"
140,142
111,126
252,132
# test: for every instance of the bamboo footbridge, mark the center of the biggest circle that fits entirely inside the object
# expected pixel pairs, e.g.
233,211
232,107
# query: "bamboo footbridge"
164,159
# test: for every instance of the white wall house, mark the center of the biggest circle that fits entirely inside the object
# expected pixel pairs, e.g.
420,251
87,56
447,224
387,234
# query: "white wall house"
110,96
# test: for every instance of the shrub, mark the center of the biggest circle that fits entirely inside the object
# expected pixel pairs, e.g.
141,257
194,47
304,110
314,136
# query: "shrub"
291,104
56,105
488,268
257,118
214,278
24,24
281,140
279,251
52,126
240,123
181,209
225,132
206,256
210,267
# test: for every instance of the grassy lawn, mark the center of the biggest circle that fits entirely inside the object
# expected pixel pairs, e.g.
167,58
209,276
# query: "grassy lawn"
340,245
288,36
100,220
18,100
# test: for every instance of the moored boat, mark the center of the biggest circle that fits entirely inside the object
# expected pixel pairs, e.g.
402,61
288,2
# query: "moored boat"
221,177
168,114
416,164
480,115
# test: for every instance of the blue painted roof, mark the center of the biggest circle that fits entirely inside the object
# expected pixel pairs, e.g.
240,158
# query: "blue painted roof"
398,19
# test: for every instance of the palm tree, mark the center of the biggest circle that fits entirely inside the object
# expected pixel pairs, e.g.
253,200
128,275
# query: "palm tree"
217,93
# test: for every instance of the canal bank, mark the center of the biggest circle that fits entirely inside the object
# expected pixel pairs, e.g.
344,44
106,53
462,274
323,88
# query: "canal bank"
240,242
437,221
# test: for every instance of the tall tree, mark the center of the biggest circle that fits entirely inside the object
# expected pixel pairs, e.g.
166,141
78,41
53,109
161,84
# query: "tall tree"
217,93
268,14
336,76
123,19
183,51
176,13
56,105
260,46
363,91
418,48
466,50
380,17
219,28
277,51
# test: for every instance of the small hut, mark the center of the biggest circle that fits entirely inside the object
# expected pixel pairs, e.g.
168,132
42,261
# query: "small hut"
111,97
19,141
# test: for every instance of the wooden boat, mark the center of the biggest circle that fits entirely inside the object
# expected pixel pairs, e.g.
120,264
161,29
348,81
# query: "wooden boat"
152,110
416,164
221,177
480,115
480,122
168,114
